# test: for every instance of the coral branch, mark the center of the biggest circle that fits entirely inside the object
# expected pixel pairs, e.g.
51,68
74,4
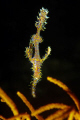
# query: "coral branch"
23,116
65,88
50,106
9,102
24,99
27,103
58,114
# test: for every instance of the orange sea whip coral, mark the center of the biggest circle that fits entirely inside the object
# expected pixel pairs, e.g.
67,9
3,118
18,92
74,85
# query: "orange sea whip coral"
63,111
